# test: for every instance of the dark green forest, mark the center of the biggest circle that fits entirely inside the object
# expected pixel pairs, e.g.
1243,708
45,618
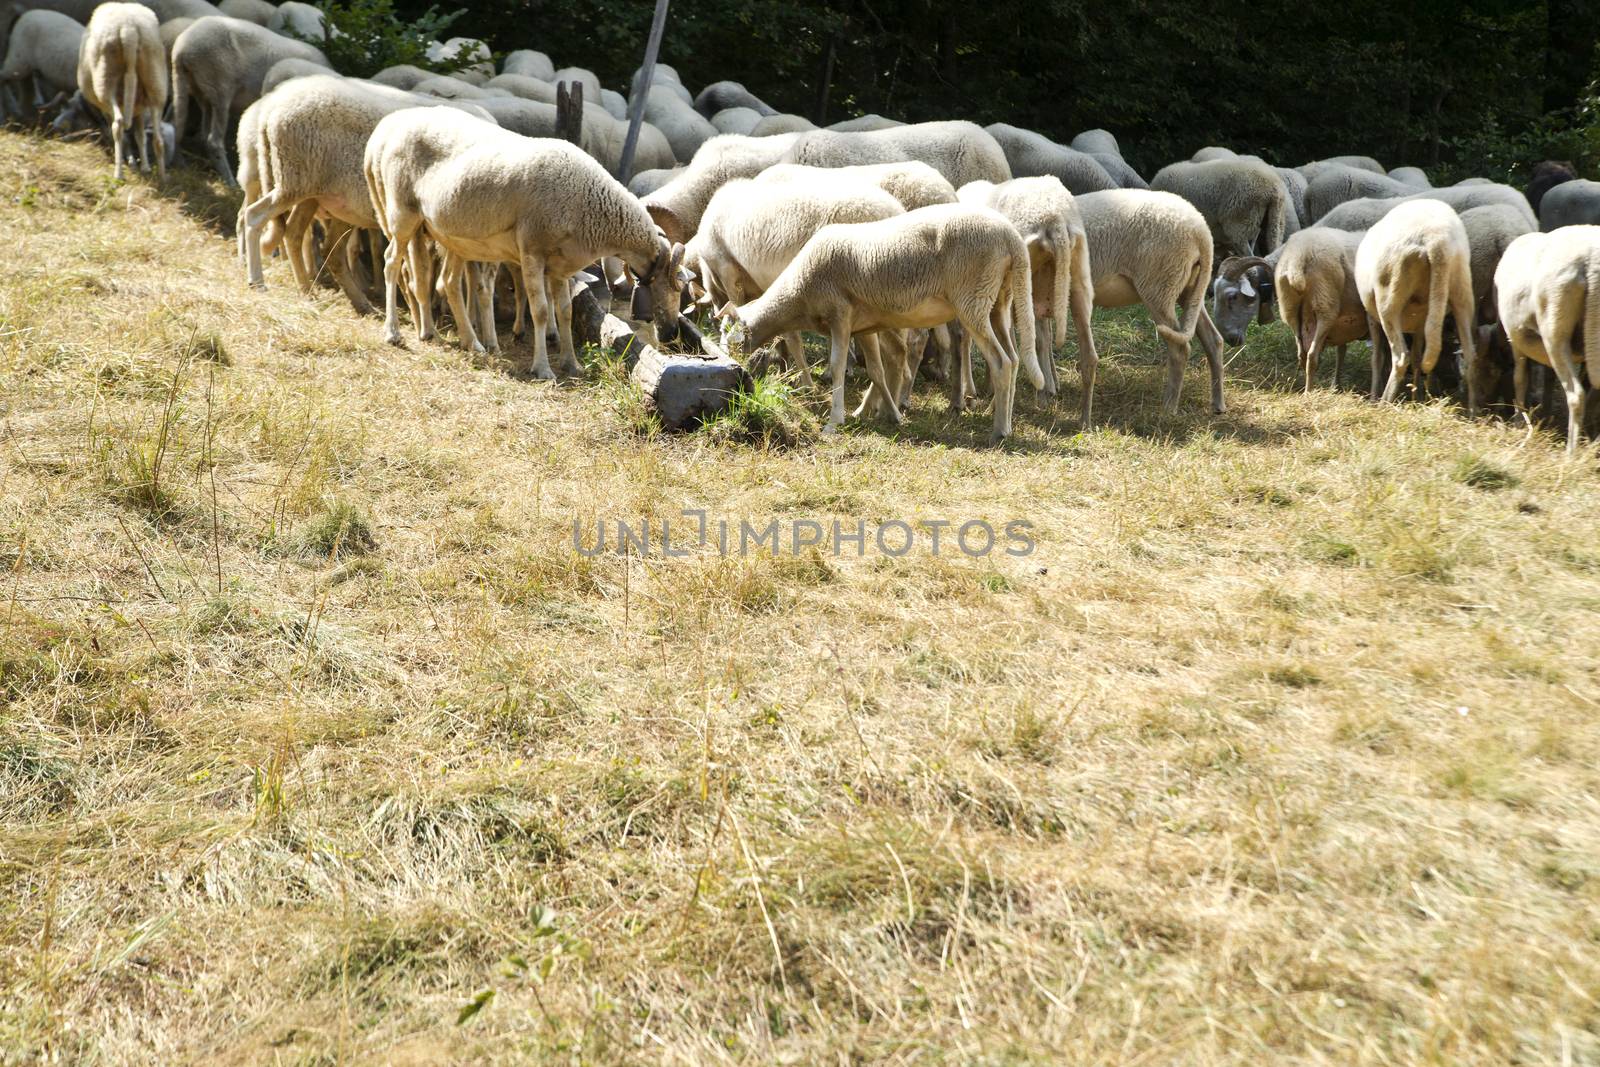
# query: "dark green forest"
1477,87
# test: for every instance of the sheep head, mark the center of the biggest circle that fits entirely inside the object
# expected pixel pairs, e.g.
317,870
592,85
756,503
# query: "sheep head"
658,290
1242,291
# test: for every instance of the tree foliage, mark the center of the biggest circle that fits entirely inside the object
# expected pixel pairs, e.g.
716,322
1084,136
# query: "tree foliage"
1457,85
365,36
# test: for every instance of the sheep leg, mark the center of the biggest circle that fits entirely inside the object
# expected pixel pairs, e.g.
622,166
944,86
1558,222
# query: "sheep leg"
561,295
1519,377
989,333
1558,343
1042,332
838,361
484,276
216,142
1400,357
393,267
451,277
256,217
538,314
339,263
1461,312
1082,301
419,255
297,235
121,111
1338,366
880,394
519,321
1211,344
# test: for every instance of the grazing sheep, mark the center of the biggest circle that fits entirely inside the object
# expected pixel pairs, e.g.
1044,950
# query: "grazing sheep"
167,10
720,96
677,206
913,184
961,151
42,51
529,64
1244,202
1546,176
471,53
259,12
1314,283
288,70
1119,170
1548,287
1358,162
1046,216
1572,203
1095,141
122,72
220,63
1490,231
404,76
486,195
1334,184
645,182
754,228
1212,153
864,124
171,29
1364,213
1154,248
449,87
1032,155
685,128
1243,290
913,271
585,78
740,120
1415,177
779,124
1413,267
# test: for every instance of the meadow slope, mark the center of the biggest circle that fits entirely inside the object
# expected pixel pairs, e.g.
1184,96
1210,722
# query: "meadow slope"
320,744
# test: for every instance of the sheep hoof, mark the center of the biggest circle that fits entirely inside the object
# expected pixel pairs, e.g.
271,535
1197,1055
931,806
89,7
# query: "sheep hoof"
997,436
830,429
1046,398
542,374
393,337
258,284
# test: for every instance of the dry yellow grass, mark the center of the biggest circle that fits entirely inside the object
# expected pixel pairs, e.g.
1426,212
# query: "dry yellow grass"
316,731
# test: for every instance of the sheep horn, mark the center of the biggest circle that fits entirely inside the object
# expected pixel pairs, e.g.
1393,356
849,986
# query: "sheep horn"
1233,267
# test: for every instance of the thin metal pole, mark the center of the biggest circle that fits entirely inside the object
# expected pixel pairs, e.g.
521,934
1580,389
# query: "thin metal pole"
641,92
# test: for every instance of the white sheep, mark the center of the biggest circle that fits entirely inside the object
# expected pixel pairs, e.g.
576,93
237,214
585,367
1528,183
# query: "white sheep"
491,196
1314,285
585,78
122,71
962,151
914,184
864,124
1154,248
1046,215
530,64
473,55
42,51
754,228
1030,154
1244,202
1548,293
289,69
677,206
913,271
1413,267
220,63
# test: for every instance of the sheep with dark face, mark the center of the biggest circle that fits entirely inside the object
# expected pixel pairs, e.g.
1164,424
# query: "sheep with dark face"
719,96
1546,176
1241,292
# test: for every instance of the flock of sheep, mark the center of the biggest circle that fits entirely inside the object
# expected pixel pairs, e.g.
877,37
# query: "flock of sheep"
892,238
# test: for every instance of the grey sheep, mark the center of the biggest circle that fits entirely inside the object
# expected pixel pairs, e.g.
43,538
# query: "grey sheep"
1212,153
739,120
1572,203
1243,201
1334,184
289,69
1093,142
1362,214
220,63
259,12
678,205
43,52
961,151
685,128
1031,155
1415,177
167,10
403,76
719,96
864,124
778,124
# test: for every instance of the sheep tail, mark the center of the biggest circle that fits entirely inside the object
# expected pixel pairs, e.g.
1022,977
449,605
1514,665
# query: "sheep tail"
1022,311
1194,298
1066,265
128,38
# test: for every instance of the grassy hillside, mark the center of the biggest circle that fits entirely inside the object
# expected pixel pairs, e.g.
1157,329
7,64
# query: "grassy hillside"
317,732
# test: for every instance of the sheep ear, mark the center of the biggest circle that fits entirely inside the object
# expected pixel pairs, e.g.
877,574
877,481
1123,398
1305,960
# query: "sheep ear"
677,257
1246,289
